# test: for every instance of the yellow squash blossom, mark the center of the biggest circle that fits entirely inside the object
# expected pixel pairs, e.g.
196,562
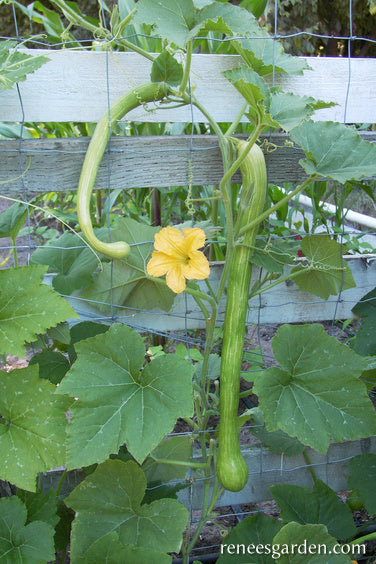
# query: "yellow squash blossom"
176,255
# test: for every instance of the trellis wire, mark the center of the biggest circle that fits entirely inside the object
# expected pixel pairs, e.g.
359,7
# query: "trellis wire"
186,337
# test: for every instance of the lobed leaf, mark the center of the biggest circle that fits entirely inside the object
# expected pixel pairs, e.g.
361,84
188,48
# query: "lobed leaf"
109,549
327,272
14,65
255,530
362,475
265,55
31,544
364,342
334,151
307,544
316,394
119,401
110,500
27,308
166,69
71,260
32,426
319,505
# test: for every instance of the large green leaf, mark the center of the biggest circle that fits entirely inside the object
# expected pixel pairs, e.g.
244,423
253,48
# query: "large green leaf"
109,550
290,110
334,151
274,254
365,339
173,19
126,283
172,449
316,394
109,500
53,365
119,401
276,441
265,55
73,262
255,530
319,505
327,273
15,66
257,7
27,307
227,19
40,506
32,426
362,477
306,544
178,21
20,543
12,219
255,90
166,68
250,84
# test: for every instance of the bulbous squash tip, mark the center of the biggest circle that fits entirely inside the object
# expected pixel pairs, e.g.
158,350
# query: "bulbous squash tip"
118,250
232,472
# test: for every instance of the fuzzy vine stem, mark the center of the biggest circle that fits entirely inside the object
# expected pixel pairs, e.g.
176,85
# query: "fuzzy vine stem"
279,281
187,68
276,206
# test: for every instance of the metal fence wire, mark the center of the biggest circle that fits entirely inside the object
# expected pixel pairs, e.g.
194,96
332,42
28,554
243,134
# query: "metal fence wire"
265,467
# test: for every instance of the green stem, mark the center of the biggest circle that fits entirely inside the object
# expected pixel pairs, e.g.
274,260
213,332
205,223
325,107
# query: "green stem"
246,393
243,230
187,68
191,423
15,258
238,161
135,48
290,276
76,19
361,540
181,463
210,328
170,206
217,491
309,464
61,482
98,202
7,257
214,219
236,121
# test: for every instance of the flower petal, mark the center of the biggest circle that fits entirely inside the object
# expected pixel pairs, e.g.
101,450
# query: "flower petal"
175,280
169,240
198,266
194,238
160,264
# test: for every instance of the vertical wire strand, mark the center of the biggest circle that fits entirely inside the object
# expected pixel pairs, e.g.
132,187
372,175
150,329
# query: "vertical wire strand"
108,159
20,164
342,189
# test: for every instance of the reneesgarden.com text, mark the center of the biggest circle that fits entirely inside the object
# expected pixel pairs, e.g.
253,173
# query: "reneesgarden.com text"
278,550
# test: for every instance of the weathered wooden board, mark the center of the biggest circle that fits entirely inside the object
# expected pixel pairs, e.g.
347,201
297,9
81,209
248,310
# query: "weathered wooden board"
147,161
72,86
284,303
267,469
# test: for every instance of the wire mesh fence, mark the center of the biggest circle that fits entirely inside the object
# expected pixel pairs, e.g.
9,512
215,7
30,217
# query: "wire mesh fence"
185,322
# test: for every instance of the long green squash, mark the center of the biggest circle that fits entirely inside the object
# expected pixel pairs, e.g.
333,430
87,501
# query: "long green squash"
148,92
232,470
